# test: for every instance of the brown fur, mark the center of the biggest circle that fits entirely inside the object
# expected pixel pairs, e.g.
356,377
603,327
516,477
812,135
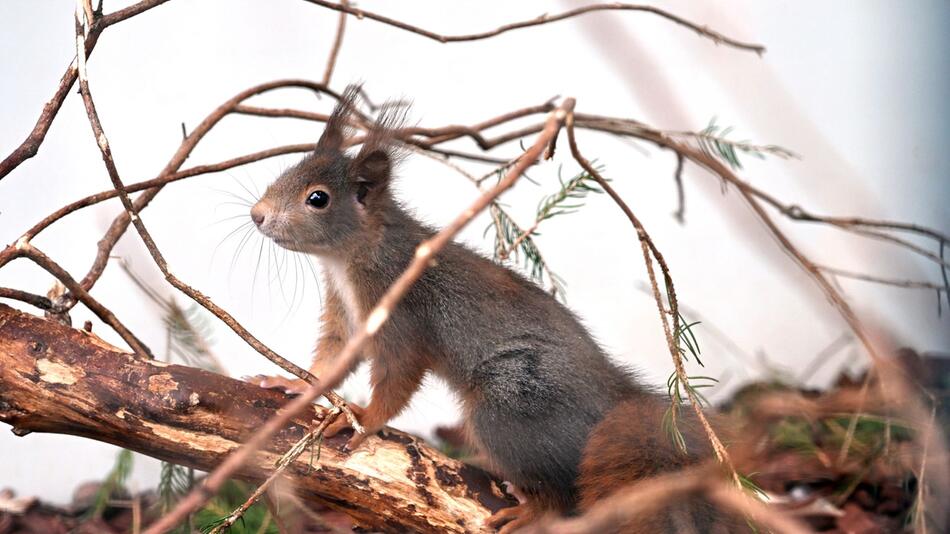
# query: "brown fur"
629,445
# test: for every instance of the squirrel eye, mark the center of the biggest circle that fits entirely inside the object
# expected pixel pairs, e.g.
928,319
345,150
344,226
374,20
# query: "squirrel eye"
318,199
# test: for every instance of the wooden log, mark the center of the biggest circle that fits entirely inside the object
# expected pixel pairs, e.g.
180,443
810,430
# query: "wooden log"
57,379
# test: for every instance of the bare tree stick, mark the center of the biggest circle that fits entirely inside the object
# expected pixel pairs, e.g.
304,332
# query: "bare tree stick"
642,499
759,512
57,379
882,236
337,42
652,495
244,109
32,299
913,284
717,37
29,147
27,250
680,213
377,317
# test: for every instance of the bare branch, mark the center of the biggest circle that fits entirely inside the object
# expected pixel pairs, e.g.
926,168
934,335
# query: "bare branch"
38,301
337,42
913,284
29,147
717,37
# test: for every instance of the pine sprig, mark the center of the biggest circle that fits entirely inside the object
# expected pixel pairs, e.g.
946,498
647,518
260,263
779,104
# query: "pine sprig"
114,481
575,189
187,331
512,239
174,481
189,335
688,345
714,141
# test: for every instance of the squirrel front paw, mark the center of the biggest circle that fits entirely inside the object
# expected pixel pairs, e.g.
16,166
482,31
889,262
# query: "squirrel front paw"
342,423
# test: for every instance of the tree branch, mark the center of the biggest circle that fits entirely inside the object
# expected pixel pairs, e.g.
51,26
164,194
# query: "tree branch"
717,37
29,147
61,380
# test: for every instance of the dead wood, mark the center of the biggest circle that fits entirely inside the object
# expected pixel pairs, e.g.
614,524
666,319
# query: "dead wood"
57,379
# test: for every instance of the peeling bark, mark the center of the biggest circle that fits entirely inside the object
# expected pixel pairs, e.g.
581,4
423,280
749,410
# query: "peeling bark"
57,379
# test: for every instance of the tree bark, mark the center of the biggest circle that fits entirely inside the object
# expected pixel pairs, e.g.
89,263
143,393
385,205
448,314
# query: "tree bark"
57,379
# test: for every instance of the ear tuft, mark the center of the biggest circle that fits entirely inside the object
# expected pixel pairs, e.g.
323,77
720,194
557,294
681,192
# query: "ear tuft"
379,154
336,128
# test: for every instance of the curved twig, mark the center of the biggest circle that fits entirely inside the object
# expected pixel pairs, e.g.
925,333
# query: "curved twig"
703,31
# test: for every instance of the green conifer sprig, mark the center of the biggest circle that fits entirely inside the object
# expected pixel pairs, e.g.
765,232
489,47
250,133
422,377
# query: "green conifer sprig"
714,141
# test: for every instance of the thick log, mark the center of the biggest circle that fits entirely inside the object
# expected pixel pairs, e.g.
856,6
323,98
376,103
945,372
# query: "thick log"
57,379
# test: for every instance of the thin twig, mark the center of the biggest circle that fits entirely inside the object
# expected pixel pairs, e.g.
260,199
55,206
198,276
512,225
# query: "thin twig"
717,37
680,213
648,248
30,146
911,284
337,42
32,299
285,461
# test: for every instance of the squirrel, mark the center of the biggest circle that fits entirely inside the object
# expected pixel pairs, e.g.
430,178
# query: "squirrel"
542,402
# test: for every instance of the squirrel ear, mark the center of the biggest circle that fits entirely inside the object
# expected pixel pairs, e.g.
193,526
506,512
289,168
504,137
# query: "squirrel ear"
374,164
373,168
334,133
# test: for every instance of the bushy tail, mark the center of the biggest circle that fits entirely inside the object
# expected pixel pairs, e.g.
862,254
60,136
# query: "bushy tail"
631,444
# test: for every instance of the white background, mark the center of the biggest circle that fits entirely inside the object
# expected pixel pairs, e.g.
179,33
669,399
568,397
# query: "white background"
857,88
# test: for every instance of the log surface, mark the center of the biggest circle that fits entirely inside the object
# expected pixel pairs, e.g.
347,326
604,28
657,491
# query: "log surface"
61,380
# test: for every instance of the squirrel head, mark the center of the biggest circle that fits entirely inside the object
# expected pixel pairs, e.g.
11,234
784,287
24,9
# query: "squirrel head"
331,201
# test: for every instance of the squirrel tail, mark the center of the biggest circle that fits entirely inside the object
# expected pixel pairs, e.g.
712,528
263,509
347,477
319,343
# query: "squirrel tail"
631,444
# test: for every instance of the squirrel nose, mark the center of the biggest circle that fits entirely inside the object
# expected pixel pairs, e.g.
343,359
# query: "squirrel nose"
257,214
